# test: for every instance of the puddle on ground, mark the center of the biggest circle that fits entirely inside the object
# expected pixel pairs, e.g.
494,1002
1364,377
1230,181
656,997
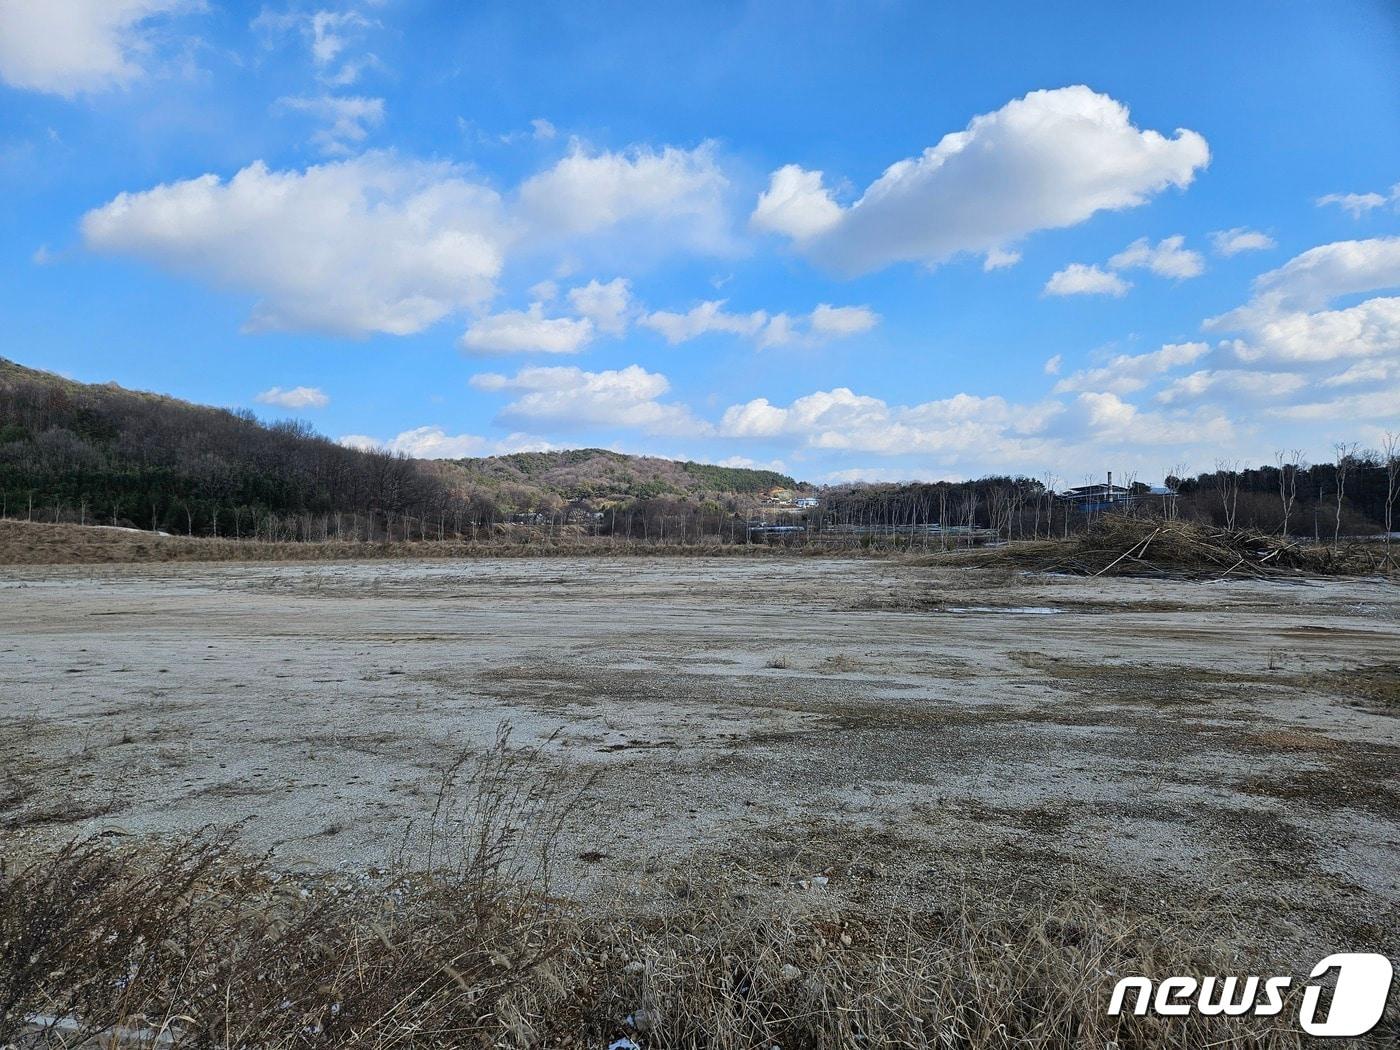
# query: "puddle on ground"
1032,610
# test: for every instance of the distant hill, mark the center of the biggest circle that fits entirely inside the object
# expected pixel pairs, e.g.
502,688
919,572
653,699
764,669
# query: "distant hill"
600,475
102,454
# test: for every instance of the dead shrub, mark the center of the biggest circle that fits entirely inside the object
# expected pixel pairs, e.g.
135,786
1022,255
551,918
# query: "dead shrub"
1127,545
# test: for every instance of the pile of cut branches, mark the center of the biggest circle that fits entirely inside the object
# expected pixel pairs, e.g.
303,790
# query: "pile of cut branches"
1122,545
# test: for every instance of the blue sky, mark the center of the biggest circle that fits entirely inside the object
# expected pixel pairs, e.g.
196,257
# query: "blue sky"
853,240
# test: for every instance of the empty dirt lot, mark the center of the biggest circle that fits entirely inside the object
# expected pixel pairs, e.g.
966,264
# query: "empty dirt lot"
1232,745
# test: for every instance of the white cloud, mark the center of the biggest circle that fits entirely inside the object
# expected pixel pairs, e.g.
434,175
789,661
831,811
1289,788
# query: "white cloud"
824,323
429,442
526,331
296,397
883,473
780,330
69,47
1239,239
1371,405
1168,258
347,119
840,322
703,319
842,419
570,398
1052,364
795,204
1045,161
1321,274
1110,418
752,464
1233,381
373,244
1368,329
1287,319
608,306
1358,204
1129,372
1373,371
539,130
331,32
328,35
520,442
380,243
679,190
1079,279
1000,259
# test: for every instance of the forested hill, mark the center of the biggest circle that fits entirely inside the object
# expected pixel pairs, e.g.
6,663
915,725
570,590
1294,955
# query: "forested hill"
102,454
598,474
106,455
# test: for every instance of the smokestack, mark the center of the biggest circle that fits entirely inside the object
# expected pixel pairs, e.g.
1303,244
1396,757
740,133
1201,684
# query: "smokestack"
1110,481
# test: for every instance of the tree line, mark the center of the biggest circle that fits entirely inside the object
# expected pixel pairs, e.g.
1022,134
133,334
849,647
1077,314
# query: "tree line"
1355,494
90,454
104,455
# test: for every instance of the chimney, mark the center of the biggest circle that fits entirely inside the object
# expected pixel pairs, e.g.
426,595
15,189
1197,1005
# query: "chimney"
1110,481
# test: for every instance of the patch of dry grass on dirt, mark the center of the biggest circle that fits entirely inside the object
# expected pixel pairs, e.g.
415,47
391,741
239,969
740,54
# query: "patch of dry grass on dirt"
462,944
1137,683
215,950
1376,686
34,543
1302,740
841,663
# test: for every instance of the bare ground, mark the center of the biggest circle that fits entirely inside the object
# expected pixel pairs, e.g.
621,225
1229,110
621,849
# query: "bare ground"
1229,746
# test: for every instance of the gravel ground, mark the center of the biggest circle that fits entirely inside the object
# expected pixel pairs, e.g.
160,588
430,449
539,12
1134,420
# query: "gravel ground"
1231,742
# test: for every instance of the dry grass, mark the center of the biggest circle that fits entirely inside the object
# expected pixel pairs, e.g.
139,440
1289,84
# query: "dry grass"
33,543
462,945
1123,545
1377,686
841,663
189,940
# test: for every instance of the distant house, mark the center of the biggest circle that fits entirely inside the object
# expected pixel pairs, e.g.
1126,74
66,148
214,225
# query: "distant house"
1107,496
807,501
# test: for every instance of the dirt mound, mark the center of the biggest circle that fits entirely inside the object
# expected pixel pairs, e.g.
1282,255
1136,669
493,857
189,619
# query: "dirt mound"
1121,545
35,543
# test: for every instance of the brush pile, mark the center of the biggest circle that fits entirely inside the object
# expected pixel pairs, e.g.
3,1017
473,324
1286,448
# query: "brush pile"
1121,545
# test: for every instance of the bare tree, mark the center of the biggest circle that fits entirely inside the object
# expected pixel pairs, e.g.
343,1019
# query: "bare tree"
969,515
1001,504
1172,483
1227,483
943,516
1390,447
1289,466
1129,480
1346,455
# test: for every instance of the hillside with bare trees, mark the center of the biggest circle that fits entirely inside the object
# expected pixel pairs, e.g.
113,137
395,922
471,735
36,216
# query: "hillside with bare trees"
598,474
101,454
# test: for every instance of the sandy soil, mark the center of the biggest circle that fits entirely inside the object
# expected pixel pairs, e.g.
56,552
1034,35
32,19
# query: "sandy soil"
1233,742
